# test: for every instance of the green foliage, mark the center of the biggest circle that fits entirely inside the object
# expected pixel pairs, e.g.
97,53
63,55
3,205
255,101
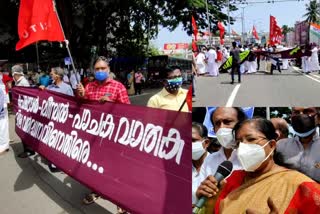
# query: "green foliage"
109,28
312,14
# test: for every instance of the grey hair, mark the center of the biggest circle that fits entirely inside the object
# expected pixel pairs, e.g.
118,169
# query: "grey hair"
102,58
58,71
17,69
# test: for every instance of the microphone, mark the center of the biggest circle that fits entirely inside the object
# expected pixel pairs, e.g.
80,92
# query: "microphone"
224,170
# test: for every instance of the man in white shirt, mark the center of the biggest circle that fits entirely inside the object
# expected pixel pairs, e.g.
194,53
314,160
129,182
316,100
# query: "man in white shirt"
223,120
201,63
212,68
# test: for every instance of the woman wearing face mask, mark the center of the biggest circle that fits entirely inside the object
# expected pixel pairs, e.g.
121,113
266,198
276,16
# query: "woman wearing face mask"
262,186
200,143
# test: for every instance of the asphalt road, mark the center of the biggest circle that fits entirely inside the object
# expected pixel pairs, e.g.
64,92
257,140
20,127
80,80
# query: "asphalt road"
289,88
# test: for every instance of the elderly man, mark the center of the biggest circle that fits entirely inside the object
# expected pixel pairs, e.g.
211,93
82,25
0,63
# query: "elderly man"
302,151
103,89
223,119
20,80
281,127
58,85
172,96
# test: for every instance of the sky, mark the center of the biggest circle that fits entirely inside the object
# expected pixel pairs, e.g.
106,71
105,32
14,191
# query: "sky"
258,14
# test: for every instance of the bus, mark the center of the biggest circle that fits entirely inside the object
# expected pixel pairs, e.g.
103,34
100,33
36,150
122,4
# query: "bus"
156,65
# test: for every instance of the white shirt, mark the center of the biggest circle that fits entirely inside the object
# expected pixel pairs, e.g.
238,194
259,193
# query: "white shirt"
212,56
211,163
196,181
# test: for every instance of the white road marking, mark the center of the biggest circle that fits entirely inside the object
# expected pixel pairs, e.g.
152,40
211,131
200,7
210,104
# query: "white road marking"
306,75
233,95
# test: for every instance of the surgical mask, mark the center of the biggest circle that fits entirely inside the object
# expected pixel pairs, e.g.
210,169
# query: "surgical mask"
303,125
225,138
101,75
251,156
174,84
197,150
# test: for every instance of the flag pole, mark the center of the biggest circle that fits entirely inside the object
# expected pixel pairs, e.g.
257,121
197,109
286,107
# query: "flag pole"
37,51
66,41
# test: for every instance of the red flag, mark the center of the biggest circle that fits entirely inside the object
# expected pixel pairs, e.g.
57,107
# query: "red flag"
189,98
37,21
275,32
221,29
233,32
194,45
194,28
255,33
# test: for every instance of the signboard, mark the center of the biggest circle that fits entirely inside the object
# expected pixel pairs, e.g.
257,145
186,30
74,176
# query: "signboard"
175,46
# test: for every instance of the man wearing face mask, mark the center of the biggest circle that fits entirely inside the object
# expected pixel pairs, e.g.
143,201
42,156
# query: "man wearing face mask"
103,89
172,96
302,151
200,143
223,119
20,80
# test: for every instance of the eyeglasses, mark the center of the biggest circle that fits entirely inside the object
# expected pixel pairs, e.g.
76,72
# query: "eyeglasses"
253,140
309,112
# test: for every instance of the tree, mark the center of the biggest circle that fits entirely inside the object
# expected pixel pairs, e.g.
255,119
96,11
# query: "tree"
110,28
312,14
285,31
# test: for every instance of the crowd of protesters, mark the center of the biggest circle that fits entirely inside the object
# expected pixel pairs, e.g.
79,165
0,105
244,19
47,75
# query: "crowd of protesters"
100,85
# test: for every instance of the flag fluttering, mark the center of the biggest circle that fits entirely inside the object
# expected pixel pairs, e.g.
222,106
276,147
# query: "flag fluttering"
233,32
194,29
275,32
255,33
315,29
195,34
222,30
37,21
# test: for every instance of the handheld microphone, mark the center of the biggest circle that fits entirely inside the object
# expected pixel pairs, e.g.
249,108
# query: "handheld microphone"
224,170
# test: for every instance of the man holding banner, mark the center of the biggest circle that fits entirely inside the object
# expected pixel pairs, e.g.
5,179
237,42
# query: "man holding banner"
103,88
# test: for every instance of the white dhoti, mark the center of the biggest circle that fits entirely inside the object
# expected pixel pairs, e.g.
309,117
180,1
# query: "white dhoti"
242,68
252,67
4,130
285,64
212,69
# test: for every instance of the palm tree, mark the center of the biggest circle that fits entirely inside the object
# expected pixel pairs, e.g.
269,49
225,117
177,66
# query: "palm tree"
312,12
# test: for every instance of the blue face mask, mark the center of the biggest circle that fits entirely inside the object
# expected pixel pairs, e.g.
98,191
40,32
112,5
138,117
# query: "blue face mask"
101,75
306,134
174,84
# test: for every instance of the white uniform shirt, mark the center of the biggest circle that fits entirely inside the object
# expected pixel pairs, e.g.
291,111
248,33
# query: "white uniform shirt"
212,161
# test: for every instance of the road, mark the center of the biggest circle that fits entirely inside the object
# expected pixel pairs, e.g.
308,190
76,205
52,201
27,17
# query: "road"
289,88
27,185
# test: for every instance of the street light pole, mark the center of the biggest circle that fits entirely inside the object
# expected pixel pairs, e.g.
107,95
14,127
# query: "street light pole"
242,23
229,25
208,21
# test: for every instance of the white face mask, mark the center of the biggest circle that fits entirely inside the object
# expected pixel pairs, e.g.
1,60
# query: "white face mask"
251,156
197,150
225,138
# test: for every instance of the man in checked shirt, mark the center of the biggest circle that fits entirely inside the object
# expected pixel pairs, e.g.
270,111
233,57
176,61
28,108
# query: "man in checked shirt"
104,88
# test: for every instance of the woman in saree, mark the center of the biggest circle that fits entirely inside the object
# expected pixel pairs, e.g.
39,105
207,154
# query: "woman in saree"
263,186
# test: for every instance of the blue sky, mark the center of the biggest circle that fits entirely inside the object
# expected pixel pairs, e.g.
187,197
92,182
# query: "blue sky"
286,13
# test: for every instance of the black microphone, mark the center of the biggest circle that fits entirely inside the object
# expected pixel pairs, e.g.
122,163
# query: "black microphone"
224,170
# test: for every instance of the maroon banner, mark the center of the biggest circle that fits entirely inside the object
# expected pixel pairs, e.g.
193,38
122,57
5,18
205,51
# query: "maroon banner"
137,157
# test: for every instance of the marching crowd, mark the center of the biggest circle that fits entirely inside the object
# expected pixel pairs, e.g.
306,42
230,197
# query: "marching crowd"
99,86
273,172
209,59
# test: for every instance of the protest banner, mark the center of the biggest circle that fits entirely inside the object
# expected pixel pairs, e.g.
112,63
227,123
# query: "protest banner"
137,157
